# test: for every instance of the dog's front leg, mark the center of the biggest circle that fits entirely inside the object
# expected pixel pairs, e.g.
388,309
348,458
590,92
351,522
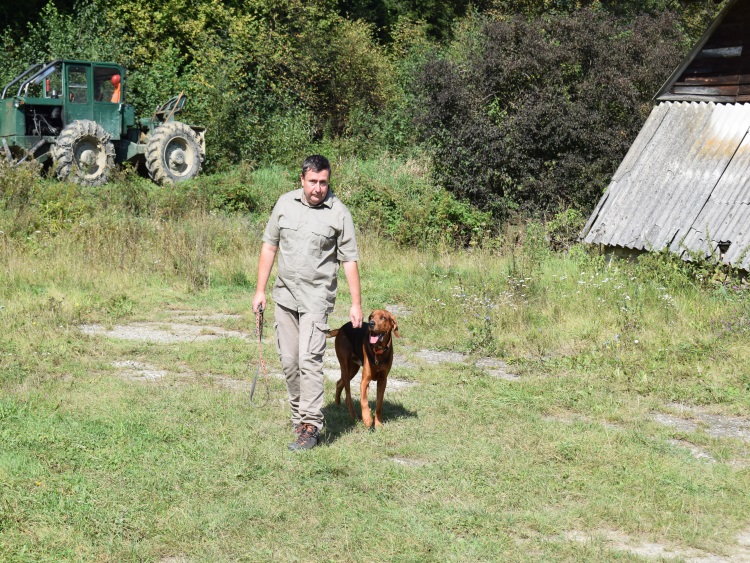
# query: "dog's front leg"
379,401
347,389
366,415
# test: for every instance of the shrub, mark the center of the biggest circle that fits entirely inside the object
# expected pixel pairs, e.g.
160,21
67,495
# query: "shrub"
536,115
395,199
17,183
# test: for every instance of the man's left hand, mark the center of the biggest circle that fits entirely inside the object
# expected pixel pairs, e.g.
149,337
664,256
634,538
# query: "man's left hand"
355,315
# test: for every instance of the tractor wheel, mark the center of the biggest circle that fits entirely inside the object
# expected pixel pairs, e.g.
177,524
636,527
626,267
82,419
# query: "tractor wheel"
173,153
83,153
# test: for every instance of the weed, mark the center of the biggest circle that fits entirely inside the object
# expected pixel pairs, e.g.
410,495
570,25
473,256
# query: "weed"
477,310
736,320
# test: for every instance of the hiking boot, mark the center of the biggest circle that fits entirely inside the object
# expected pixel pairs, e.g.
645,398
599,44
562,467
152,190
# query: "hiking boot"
296,429
307,439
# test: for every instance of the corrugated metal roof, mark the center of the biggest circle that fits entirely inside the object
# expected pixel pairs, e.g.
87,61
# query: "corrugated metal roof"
684,185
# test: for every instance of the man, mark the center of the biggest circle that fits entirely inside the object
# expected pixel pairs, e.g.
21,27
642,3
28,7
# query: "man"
115,99
313,232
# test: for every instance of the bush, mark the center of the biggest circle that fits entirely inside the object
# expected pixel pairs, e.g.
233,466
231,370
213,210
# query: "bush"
393,198
17,183
535,116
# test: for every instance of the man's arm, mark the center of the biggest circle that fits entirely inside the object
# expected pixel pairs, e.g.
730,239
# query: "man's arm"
352,279
265,263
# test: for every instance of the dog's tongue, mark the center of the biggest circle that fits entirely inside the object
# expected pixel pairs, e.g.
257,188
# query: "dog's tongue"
374,338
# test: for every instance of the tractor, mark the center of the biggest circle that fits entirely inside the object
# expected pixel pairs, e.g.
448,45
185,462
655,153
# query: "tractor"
72,115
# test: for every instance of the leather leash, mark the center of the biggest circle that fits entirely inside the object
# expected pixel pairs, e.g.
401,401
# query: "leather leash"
262,363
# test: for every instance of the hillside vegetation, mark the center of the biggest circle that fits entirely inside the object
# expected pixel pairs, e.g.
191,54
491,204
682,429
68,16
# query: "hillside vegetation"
521,105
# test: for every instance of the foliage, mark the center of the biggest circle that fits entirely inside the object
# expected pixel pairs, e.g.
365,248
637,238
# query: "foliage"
387,196
437,15
564,228
536,115
268,79
394,199
17,183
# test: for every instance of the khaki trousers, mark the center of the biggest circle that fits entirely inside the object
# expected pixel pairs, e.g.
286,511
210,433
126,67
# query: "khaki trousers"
301,342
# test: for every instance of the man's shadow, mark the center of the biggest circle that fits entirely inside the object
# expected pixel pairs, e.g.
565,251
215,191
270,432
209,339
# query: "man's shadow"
339,421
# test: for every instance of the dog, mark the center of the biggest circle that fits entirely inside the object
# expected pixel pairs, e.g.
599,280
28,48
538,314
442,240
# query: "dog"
369,347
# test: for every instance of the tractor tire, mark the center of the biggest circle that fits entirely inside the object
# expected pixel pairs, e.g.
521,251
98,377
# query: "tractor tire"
83,153
173,153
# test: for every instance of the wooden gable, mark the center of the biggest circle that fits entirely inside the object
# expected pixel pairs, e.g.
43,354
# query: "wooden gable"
718,68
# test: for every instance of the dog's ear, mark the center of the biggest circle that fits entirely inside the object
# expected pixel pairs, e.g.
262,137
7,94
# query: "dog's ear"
394,324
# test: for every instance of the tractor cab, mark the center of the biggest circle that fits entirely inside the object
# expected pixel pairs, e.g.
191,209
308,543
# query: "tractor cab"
44,98
74,113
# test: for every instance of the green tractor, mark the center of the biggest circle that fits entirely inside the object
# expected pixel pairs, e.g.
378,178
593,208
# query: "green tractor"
73,115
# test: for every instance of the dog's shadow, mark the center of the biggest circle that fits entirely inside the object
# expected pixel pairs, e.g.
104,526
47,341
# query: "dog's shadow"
339,421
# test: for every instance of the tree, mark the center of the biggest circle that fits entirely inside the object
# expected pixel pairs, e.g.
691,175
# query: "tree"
535,115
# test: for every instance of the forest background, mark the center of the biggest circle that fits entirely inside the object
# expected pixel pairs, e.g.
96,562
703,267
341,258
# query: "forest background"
520,106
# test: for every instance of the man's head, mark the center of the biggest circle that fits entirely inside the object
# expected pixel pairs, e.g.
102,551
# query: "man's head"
316,172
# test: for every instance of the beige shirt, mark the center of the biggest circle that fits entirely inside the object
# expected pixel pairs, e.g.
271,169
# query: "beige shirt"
311,241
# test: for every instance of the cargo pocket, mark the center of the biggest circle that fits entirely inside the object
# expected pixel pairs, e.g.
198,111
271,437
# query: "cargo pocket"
278,343
318,336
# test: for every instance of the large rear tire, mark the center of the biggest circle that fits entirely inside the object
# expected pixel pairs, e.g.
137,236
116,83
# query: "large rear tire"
173,153
83,153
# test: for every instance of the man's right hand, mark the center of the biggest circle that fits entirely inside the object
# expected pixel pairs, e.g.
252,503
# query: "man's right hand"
259,301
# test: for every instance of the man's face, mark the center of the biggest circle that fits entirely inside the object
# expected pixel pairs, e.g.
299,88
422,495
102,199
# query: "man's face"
315,186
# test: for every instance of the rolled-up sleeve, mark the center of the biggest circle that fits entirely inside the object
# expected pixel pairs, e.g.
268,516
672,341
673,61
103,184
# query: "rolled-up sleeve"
347,241
272,234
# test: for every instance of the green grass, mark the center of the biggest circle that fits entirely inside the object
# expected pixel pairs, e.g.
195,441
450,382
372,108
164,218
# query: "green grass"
96,467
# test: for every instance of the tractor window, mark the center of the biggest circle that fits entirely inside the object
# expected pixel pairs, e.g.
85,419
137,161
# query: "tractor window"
78,88
47,84
107,85
53,83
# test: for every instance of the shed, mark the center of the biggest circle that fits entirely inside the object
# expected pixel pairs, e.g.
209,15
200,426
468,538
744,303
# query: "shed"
684,185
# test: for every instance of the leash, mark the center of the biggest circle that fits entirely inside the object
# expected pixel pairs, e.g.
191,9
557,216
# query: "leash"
262,363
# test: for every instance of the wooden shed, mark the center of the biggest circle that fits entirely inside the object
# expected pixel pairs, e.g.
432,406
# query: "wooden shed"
685,182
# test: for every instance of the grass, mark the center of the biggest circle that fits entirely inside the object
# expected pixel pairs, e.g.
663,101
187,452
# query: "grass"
96,467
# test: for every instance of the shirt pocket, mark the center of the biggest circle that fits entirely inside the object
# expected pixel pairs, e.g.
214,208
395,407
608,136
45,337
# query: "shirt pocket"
288,237
322,240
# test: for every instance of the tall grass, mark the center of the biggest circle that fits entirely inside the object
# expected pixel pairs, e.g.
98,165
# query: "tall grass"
96,467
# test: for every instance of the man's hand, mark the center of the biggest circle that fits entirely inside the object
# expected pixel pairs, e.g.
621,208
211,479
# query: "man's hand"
259,301
355,315
265,263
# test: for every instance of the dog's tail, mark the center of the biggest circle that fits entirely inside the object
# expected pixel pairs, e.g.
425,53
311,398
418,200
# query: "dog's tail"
332,333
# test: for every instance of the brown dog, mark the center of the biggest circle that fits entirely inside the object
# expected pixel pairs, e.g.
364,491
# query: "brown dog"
372,348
